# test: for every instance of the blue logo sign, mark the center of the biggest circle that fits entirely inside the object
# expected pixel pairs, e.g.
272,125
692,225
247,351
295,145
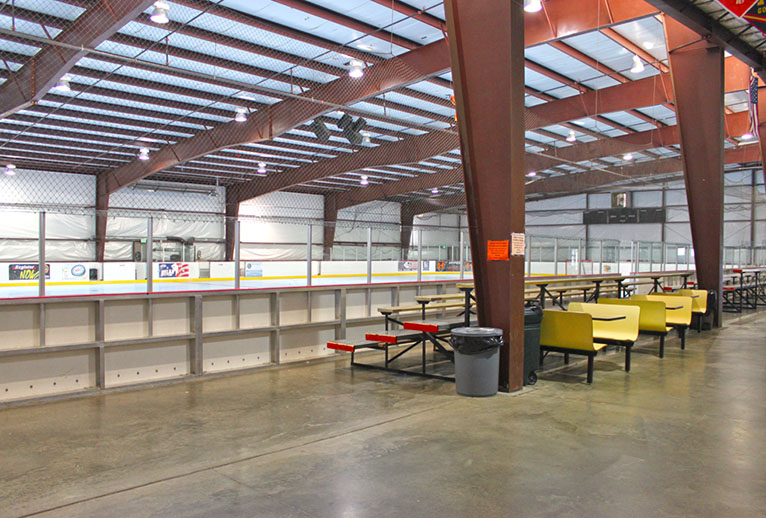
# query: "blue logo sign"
78,270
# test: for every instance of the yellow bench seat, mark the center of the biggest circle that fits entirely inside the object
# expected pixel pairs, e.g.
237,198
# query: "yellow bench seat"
617,325
569,332
651,319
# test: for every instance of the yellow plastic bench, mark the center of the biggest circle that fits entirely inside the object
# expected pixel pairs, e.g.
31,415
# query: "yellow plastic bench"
678,312
699,303
615,325
651,320
569,332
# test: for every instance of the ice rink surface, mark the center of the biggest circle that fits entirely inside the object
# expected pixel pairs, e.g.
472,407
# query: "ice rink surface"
117,288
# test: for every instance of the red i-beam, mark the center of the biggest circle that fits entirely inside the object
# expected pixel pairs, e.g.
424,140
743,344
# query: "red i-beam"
697,74
486,39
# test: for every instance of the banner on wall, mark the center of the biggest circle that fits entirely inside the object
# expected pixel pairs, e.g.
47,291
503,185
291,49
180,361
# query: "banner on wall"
738,7
253,269
412,266
74,273
452,266
27,272
174,270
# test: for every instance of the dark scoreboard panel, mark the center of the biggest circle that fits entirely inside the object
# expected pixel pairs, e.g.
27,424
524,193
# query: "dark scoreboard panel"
623,215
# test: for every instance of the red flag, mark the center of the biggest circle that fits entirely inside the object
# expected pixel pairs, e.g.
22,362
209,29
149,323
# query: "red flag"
738,7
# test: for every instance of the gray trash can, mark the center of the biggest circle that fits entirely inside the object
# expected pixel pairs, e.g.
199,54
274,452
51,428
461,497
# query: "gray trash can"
477,360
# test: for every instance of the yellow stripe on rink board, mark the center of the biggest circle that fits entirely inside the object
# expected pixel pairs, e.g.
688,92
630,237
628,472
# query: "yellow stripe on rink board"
220,279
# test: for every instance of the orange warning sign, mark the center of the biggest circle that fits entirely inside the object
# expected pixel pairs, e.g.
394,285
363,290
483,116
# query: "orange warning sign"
498,250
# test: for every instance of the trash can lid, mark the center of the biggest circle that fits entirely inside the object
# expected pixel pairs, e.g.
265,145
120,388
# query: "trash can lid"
476,332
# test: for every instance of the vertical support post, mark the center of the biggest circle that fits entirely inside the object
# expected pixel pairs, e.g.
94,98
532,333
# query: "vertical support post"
700,111
195,352
489,89
556,256
579,257
462,255
330,222
651,256
638,256
529,259
601,257
753,200
309,239
237,251
41,268
232,215
407,222
149,254
369,255
420,255
102,206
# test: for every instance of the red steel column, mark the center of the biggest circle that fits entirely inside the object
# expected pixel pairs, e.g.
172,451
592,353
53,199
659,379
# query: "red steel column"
486,40
232,213
330,220
102,208
697,73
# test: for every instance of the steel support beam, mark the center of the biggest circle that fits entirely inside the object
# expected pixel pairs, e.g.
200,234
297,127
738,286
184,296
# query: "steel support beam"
644,92
700,108
102,213
232,213
330,220
708,28
41,72
489,88
283,116
405,236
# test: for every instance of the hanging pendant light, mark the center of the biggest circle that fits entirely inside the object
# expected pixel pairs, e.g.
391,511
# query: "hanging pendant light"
241,115
143,153
357,68
533,6
364,180
572,137
160,12
10,170
63,84
638,65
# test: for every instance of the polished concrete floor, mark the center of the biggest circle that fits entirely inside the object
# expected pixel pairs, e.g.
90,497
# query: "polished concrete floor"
683,436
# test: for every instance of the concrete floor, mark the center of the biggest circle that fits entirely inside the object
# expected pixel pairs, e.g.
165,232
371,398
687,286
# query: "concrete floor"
683,436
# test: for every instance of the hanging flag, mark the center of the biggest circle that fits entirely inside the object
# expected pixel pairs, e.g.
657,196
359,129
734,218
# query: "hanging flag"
752,104
738,7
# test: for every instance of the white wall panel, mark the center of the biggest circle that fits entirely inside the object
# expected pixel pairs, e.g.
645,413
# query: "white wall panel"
647,198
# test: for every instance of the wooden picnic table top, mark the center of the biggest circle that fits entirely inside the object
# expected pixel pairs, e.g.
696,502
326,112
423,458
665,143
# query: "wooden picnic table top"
537,281
656,275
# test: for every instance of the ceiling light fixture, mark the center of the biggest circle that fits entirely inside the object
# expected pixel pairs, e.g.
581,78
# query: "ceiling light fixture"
627,157
160,13
261,168
364,180
747,136
435,190
638,65
241,114
366,138
10,170
357,68
533,6
63,84
648,45
572,137
143,153
531,174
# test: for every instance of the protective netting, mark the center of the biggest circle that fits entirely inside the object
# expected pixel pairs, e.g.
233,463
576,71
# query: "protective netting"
284,115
